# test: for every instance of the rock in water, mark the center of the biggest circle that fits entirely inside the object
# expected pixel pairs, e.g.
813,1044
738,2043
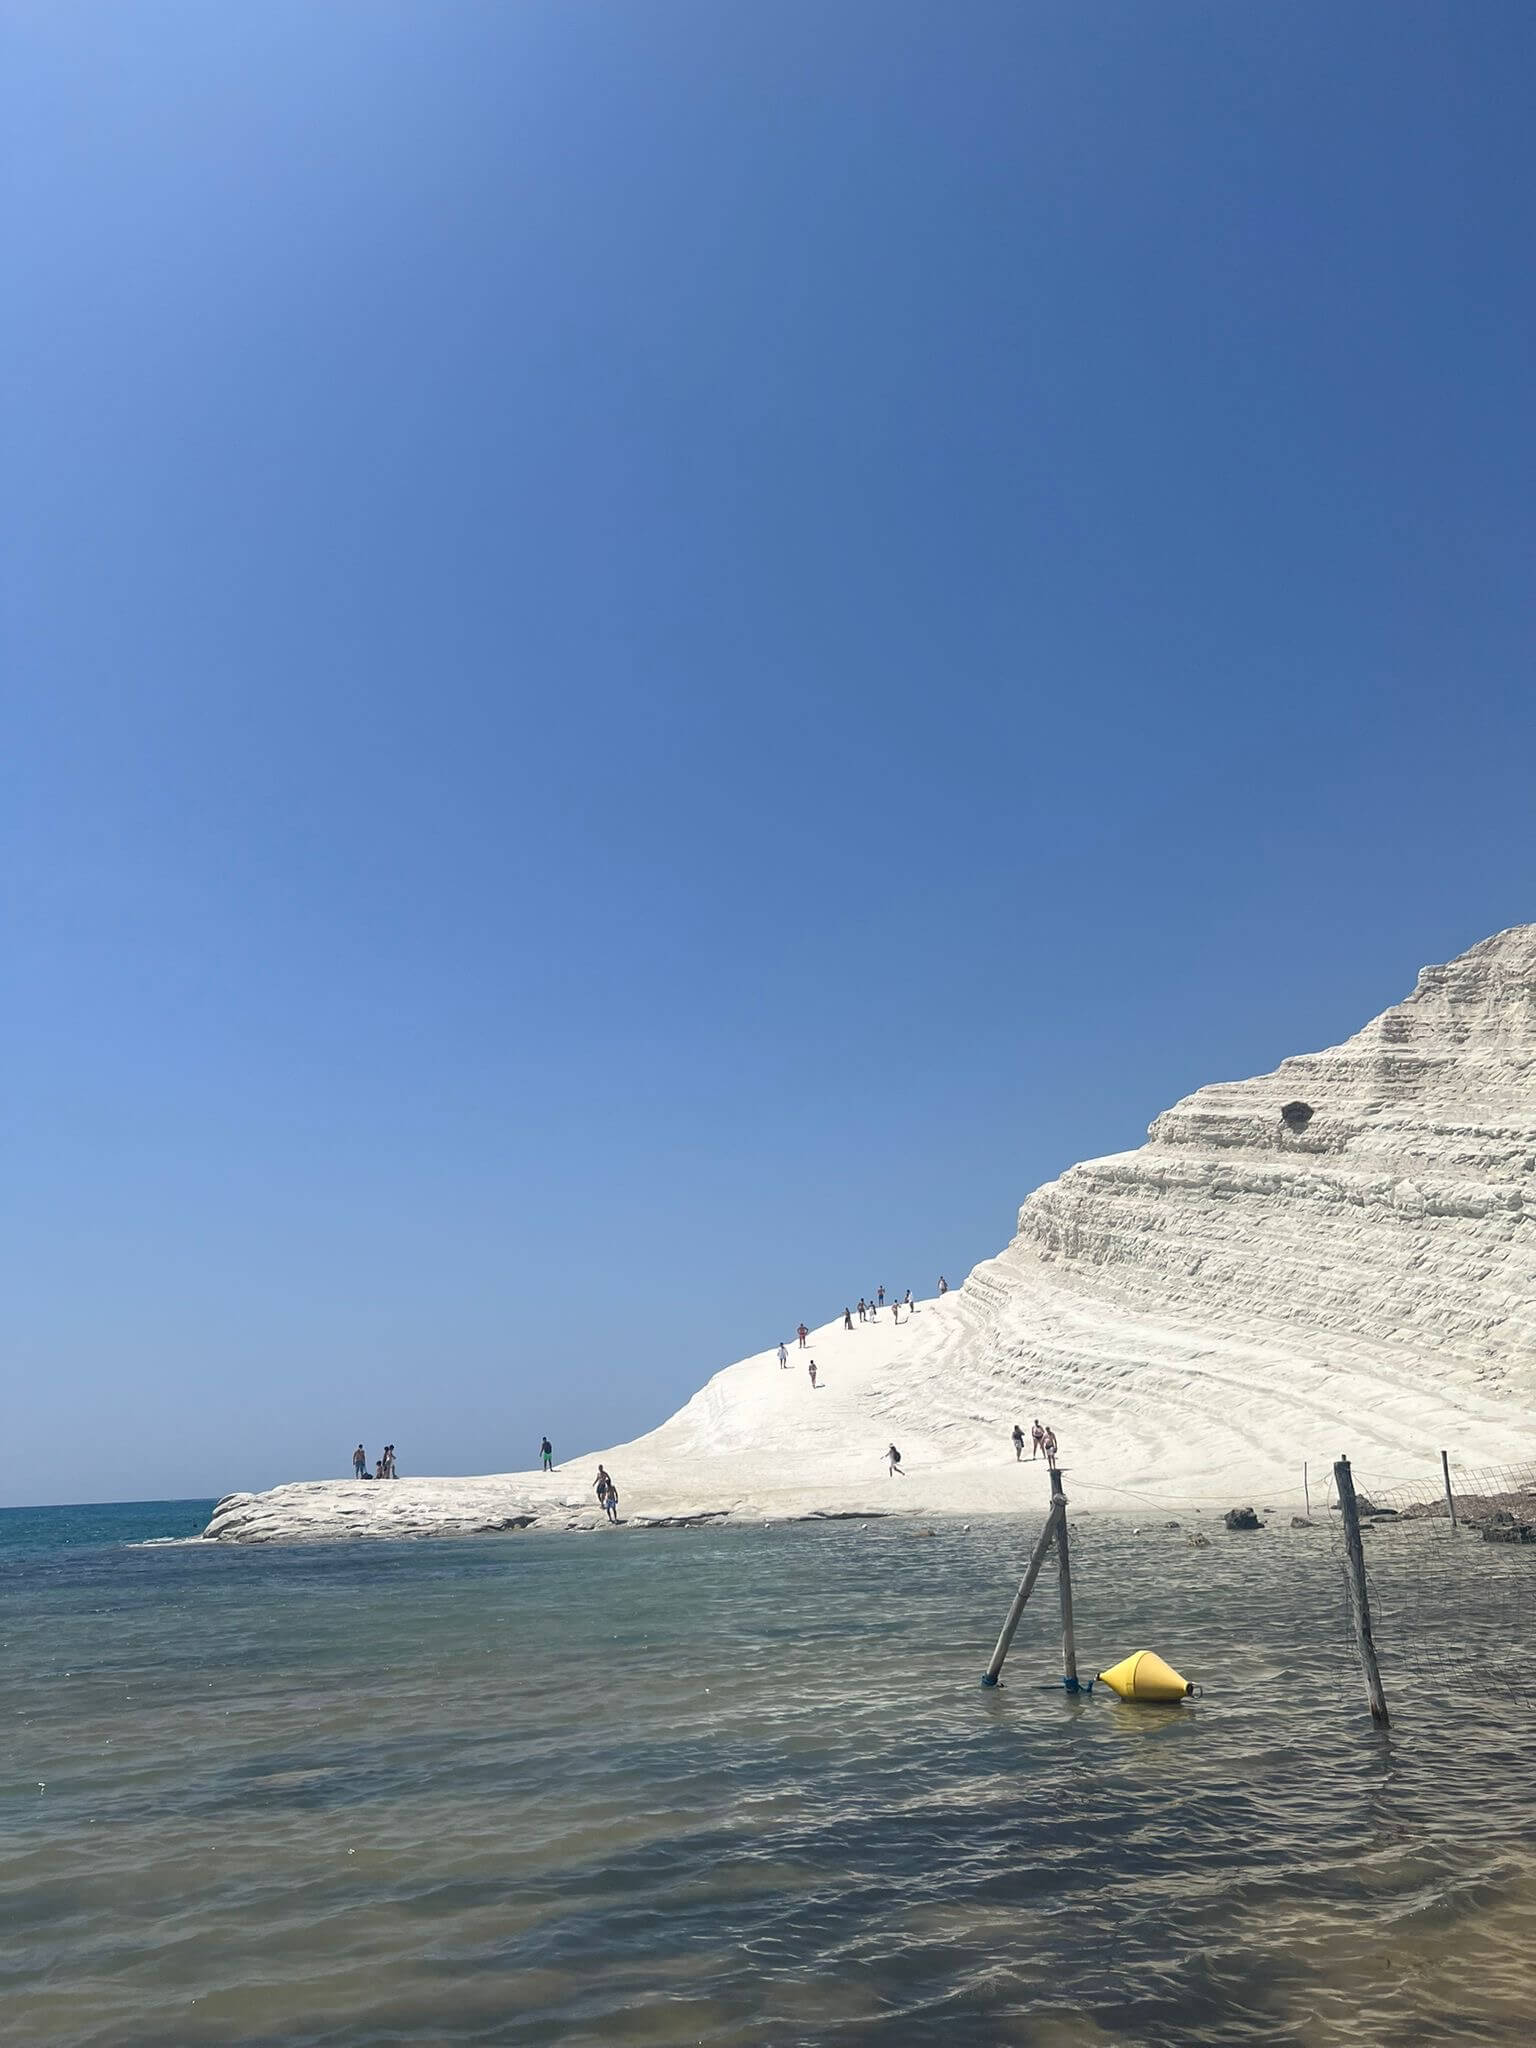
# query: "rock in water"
1242,1518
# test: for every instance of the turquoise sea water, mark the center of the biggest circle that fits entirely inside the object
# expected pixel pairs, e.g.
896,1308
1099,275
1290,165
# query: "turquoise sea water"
39,1532
730,1786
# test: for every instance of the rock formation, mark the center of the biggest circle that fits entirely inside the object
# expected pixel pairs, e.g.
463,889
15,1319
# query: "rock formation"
1338,1255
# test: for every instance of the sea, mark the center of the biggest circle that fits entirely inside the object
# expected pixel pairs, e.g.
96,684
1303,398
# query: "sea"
734,1785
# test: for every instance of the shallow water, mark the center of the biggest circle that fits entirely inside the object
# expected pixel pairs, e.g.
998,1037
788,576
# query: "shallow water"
735,1786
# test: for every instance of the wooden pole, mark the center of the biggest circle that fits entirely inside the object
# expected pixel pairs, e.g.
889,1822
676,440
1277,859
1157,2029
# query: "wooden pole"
1306,1489
1359,1600
1026,1587
1450,1498
1064,1563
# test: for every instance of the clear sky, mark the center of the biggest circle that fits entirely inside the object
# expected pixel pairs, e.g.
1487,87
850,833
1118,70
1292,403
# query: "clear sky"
657,654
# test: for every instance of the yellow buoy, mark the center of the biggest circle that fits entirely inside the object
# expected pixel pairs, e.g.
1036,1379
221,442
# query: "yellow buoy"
1144,1676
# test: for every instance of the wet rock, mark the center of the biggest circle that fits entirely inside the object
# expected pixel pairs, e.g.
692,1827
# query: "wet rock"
1302,1522
844,1515
1242,1518
698,1518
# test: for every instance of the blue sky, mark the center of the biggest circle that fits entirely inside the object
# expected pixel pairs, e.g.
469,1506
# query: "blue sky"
655,655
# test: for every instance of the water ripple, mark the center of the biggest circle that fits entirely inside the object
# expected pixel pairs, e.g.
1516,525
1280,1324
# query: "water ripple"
735,1787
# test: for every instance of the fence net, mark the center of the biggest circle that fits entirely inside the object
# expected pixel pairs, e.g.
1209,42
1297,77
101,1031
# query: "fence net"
1452,1580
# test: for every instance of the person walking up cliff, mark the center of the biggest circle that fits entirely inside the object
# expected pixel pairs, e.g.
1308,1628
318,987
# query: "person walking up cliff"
547,1455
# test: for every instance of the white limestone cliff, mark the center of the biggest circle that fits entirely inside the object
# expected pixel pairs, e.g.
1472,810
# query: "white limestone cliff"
1338,1255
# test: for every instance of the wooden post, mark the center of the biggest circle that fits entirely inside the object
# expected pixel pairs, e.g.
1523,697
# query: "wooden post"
1064,1564
1359,1600
1450,1499
1026,1587
1306,1489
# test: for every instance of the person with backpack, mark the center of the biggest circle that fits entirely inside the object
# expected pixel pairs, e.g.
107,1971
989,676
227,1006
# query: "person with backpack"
893,1459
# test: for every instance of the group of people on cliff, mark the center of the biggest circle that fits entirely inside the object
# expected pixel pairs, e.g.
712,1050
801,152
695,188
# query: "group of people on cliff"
603,1486
1042,1442
1041,1438
384,1465
867,1310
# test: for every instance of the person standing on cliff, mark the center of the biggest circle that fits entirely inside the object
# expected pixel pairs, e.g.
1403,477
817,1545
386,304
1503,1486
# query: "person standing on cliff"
802,1333
812,1371
600,1485
1018,1443
547,1455
880,1295
943,1285
1048,1445
783,1359
359,1463
1036,1438
847,1318
861,1308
